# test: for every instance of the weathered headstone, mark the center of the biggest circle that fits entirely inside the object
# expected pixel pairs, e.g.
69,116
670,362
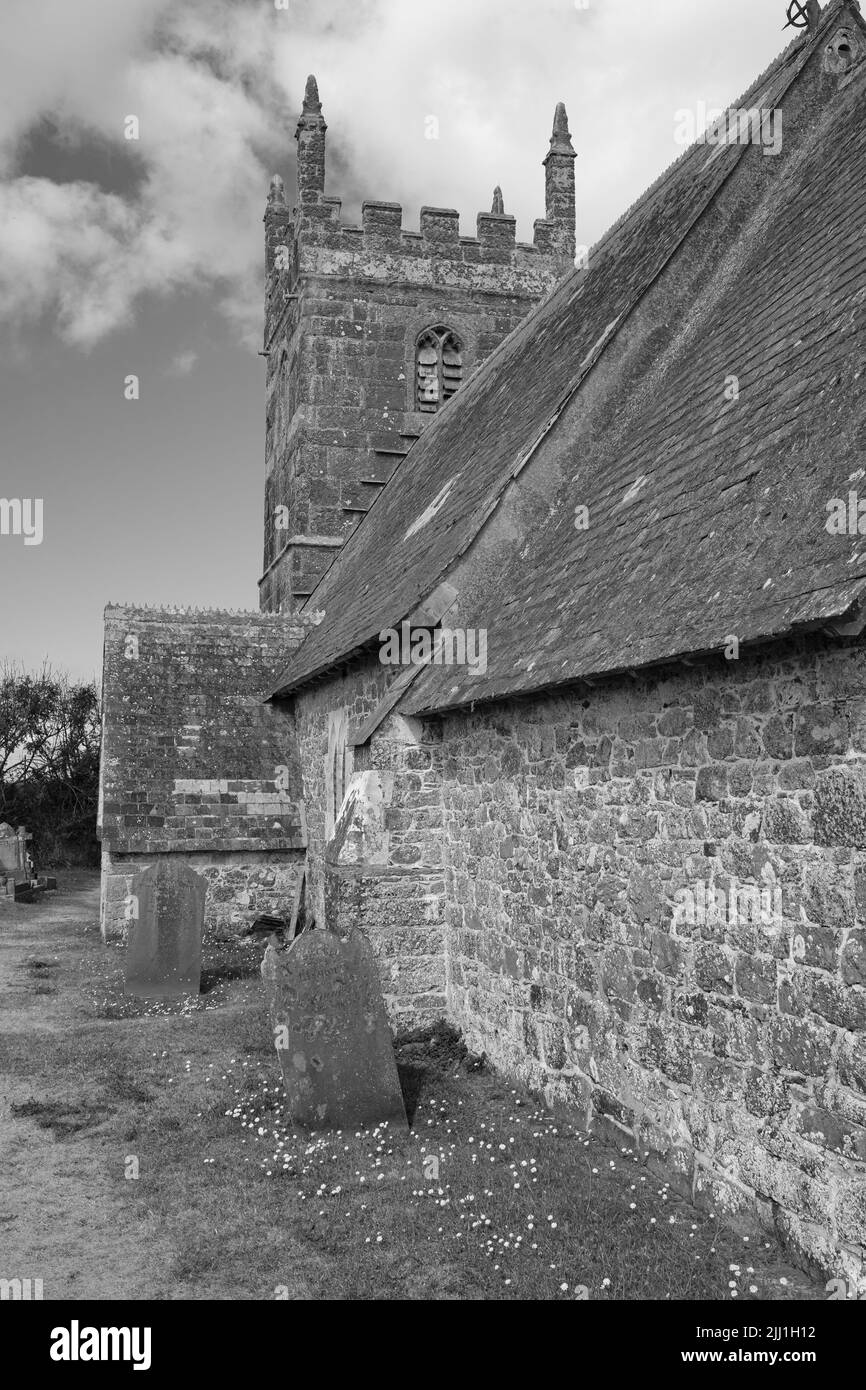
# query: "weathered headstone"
13,851
331,1033
165,911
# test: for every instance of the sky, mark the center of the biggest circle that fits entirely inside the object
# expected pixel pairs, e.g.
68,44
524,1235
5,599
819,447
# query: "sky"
143,256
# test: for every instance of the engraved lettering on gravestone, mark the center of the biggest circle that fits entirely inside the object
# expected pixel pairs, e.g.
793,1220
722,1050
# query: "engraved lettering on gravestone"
163,954
331,1032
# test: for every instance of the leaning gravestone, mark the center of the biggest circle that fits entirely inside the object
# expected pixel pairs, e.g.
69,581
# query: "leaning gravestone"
331,1033
165,911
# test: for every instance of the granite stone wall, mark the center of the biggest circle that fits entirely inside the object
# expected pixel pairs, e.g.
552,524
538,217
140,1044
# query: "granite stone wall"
239,886
656,909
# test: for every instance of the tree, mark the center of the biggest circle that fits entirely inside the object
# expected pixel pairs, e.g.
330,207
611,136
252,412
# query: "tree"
49,762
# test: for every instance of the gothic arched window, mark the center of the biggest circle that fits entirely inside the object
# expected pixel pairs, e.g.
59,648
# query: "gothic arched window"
439,368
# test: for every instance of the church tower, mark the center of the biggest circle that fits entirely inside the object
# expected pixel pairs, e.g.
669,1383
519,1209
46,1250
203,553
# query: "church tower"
369,332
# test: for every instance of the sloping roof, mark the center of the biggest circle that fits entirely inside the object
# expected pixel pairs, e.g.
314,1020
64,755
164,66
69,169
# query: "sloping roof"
727,485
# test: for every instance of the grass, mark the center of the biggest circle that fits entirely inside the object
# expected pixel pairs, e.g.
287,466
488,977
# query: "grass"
489,1195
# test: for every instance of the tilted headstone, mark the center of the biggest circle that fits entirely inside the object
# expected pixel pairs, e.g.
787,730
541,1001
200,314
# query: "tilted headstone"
165,911
331,1033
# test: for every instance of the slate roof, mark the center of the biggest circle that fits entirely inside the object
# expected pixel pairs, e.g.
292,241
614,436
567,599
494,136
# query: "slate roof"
725,532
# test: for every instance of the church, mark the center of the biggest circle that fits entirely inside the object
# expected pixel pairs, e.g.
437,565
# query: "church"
625,852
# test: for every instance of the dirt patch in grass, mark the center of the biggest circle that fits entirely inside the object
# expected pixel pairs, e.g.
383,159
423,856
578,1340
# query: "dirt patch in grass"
120,1084
63,1119
40,968
436,1051
39,975
213,977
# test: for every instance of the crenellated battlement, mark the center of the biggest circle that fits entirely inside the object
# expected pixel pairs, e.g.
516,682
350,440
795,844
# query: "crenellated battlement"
381,230
317,222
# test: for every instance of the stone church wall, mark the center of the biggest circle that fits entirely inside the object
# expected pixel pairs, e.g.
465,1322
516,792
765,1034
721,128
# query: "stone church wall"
585,840
391,885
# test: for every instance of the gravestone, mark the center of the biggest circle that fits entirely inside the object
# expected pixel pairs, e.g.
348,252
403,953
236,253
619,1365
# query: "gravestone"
165,911
331,1033
13,851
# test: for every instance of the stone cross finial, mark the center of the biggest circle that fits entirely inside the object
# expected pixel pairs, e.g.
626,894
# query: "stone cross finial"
498,202
310,136
312,104
560,140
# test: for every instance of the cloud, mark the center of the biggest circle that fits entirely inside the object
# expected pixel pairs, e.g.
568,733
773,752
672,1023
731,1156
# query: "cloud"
88,256
68,60
182,363
216,87
64,246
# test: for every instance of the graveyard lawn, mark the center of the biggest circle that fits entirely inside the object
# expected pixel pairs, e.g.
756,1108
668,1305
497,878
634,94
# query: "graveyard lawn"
143,1155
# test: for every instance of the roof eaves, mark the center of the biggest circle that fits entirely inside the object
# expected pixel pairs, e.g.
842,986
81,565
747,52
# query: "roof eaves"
849,621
